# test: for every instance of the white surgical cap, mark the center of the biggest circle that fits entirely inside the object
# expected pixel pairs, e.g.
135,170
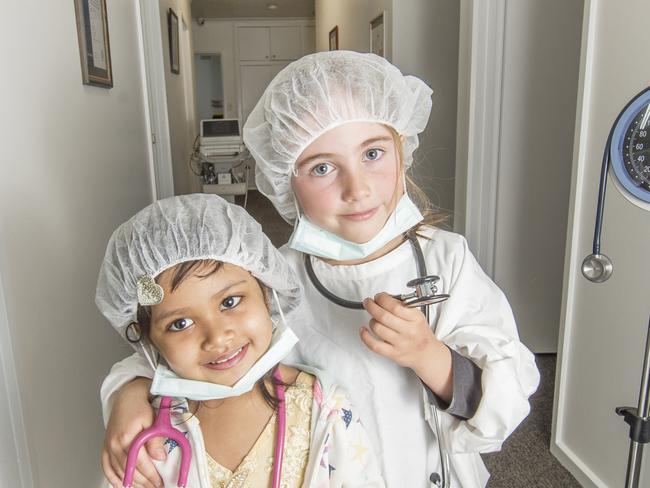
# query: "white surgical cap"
320,92
186,228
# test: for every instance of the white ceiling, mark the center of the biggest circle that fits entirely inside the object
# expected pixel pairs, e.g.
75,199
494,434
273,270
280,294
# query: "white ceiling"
251,8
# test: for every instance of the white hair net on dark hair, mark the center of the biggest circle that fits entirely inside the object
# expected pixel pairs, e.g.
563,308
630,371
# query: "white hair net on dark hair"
187,228
320,92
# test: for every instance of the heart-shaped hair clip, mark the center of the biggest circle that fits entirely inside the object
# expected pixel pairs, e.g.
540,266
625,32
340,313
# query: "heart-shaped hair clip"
149,292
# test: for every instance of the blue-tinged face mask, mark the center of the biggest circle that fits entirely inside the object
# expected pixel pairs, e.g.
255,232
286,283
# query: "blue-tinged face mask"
311,239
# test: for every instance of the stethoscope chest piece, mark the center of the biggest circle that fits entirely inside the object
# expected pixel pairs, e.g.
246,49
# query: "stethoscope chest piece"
425,292
597,268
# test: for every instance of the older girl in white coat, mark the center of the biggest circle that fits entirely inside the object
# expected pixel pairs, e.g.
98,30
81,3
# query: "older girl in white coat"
333,137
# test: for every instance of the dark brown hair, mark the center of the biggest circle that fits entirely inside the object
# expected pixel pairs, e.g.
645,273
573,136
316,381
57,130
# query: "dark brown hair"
203,268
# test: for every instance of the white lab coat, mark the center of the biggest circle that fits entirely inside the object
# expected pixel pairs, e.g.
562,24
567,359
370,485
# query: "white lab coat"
340,453
476,321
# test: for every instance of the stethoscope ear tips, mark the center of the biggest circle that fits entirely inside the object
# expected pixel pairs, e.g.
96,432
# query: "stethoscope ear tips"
597,268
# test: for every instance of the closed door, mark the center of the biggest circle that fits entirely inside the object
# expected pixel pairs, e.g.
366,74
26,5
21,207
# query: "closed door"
603,329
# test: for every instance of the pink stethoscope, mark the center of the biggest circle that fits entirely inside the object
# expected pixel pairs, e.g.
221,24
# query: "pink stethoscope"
162,427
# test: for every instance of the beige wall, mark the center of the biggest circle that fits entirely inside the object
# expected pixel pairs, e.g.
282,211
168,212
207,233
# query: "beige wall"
425,44
421,40
73,164
540,84
353,20
180,96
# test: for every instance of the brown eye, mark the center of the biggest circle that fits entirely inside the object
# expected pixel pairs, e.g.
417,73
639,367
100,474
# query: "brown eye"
230,302
180,324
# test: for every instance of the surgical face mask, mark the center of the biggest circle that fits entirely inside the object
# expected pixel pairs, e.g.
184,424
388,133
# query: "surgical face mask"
167,383
311,239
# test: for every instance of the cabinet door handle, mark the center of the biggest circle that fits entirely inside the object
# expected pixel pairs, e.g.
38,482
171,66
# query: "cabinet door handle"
273,56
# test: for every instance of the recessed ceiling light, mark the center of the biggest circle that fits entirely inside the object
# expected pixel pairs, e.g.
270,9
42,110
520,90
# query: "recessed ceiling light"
271,6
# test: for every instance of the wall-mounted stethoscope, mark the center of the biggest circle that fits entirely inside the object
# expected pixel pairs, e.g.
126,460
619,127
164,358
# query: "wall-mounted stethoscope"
628,151
425,293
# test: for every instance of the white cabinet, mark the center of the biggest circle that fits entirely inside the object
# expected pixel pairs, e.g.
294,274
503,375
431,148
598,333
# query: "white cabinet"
285,42
271,43
263,49
253,43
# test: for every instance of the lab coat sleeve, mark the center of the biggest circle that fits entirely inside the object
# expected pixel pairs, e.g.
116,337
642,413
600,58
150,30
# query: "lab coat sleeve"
121,373
477,322
466,388
351,461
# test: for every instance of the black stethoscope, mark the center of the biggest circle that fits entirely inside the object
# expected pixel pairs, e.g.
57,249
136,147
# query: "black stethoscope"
626,150
425,293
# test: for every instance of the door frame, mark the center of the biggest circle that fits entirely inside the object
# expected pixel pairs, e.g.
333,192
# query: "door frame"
155,92
480,80
573,256
15,449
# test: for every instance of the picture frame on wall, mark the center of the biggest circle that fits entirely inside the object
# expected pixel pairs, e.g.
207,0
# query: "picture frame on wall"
377,38
172,28
334,38
94,45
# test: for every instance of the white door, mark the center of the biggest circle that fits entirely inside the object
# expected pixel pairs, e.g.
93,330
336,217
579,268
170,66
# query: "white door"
603,330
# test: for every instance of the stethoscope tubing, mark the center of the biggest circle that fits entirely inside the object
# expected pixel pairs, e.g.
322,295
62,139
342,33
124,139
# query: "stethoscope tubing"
162,427
445,480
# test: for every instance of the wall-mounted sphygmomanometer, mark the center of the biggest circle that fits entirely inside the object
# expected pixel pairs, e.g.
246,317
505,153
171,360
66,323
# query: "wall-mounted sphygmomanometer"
627,153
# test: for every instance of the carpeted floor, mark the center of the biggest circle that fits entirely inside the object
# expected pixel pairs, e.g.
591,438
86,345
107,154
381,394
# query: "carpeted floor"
525,460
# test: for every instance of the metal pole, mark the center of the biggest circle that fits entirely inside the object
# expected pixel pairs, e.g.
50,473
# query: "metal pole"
635,456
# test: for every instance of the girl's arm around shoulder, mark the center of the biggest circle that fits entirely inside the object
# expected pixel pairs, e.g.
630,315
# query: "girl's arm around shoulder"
121,373
347,458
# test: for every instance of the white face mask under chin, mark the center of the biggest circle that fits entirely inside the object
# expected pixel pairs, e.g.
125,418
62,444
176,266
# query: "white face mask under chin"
311,239
167,383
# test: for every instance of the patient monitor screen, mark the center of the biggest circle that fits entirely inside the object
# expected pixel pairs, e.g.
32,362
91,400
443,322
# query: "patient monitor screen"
220,128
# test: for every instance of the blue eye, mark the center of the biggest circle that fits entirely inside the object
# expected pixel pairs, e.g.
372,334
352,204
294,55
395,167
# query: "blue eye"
180,324
322,169
230,302
373,154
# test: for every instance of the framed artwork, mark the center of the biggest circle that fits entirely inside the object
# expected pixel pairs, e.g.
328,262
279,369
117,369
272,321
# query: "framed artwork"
334,38
377,36
172,27
94,47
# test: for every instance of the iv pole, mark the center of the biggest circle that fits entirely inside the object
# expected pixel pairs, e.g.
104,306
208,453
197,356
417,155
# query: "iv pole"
639,422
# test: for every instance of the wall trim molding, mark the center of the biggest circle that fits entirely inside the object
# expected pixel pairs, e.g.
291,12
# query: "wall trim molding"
573,255
483,127
155,92
19,452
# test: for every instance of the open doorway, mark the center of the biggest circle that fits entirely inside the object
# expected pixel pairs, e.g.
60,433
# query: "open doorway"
209,86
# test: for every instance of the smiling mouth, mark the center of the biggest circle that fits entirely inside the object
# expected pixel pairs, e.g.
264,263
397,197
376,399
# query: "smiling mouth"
357,216
229,360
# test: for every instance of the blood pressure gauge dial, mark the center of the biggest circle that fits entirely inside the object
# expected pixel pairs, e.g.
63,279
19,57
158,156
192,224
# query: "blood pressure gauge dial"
628,150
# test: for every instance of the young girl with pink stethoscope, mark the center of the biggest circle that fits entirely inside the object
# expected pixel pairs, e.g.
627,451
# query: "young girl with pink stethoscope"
203,294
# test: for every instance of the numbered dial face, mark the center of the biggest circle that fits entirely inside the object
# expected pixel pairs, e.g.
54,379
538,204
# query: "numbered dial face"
630,150
636,149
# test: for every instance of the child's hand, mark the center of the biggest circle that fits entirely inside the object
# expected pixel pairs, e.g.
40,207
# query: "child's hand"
131,414
403,335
